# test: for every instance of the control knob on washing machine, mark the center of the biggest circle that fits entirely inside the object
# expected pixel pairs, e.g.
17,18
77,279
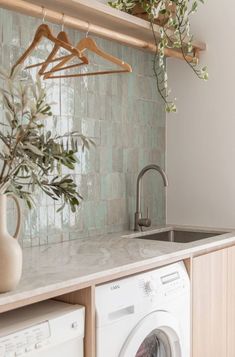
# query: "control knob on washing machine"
149,287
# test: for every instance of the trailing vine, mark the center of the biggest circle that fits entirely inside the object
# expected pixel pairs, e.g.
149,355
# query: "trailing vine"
173,17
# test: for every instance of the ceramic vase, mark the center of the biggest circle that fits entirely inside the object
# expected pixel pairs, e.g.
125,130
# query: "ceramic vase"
10,250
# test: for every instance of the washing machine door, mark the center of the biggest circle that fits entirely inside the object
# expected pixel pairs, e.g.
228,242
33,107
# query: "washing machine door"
156,335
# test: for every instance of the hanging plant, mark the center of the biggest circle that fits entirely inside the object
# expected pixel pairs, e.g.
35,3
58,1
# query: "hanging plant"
173,17
32,157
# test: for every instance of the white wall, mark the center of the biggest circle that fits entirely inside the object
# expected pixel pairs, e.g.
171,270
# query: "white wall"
201,136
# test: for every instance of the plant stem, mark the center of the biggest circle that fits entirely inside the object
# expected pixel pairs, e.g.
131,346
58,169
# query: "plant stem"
3,169
155,63
182,50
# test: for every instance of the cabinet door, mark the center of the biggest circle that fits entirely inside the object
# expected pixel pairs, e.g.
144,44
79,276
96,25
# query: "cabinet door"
209,304
231,302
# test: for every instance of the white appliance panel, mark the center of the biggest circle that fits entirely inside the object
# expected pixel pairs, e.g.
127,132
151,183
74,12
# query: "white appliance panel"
49,328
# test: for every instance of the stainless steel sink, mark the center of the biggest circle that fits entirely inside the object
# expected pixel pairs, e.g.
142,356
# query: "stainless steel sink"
177,236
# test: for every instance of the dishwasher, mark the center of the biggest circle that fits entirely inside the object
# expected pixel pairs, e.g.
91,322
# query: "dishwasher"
46,329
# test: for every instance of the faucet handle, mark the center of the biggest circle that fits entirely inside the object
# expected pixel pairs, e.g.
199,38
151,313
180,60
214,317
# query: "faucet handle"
145,222
148,220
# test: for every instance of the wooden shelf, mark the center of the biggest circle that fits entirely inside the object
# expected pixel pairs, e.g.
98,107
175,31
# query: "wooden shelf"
104,21
103,15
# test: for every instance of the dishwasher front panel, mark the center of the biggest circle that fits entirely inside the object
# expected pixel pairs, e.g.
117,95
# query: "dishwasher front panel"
71,348
52,329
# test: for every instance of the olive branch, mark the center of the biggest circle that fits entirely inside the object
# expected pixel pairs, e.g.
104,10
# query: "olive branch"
32,157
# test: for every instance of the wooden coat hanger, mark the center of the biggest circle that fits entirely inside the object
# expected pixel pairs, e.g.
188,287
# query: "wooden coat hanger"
44,31
62,36
87,44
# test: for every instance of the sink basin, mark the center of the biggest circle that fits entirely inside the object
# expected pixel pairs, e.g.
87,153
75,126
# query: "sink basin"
178,236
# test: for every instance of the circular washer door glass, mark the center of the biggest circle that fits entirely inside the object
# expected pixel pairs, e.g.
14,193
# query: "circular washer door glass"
156,344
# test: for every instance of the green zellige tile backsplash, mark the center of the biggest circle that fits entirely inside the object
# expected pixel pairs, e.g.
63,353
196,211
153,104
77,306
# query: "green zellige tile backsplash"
122,113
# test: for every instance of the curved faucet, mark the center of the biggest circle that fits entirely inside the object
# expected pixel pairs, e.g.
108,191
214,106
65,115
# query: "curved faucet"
139,221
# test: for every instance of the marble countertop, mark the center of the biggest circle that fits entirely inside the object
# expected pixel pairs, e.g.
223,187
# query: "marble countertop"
54,269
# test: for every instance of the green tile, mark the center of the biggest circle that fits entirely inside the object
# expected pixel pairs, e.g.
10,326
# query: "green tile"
125,116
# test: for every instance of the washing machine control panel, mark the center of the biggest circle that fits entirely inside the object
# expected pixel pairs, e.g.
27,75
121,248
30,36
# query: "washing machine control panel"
172,282
171,279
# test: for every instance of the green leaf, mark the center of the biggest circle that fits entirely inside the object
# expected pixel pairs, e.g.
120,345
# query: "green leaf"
194,7
34,149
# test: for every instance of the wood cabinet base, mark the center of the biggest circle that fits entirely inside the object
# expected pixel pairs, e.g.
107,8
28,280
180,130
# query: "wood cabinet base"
85,297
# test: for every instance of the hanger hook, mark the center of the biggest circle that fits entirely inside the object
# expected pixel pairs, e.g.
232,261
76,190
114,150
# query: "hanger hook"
43,14
88,29
62,22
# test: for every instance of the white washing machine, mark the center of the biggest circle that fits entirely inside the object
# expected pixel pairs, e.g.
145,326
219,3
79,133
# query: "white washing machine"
146,315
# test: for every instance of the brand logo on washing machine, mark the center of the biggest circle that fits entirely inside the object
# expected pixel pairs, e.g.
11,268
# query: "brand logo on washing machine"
115,287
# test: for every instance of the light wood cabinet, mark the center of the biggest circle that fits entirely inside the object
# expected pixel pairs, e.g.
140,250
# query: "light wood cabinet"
213,304
85,297
231,303
209,304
